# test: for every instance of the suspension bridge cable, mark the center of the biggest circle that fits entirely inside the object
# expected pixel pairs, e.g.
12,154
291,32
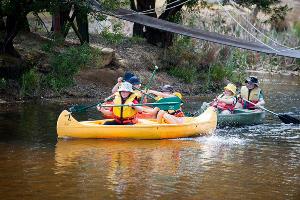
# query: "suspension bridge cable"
228,13
276,42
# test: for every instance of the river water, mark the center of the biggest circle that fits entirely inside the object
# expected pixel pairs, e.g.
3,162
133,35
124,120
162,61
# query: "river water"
254,162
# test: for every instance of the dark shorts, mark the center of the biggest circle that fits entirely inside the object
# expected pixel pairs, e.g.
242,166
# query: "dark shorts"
113,122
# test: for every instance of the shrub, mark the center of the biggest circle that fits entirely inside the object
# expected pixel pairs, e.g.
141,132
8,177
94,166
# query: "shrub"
2,83
182,60
188,74
30,83
65,65
112,38
297,28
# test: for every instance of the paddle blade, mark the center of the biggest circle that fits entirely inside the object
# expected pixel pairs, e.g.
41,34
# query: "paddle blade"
169,106
288,119
77,108
169,99
166,106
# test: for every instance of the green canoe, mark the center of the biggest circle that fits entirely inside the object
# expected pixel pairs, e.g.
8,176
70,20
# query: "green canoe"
242,117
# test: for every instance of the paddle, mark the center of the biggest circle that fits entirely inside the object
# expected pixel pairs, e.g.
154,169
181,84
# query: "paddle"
149,83
283,117
171,103
148,95
81,108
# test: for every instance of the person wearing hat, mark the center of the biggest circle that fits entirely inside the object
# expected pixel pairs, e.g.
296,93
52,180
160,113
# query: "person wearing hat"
225,102
166,91
251,92
170,116
125,115
136,84
126,77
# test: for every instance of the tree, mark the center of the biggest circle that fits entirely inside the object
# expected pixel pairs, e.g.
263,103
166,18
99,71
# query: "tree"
16,11
171,13
268,6
16,21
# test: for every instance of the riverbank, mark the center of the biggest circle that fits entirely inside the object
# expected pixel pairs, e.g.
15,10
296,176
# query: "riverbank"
96,80
193,67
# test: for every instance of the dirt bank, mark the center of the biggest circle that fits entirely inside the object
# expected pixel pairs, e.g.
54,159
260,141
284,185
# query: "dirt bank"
92,81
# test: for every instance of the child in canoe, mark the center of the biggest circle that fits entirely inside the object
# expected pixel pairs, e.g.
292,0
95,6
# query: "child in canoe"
226,101
170,116
125,115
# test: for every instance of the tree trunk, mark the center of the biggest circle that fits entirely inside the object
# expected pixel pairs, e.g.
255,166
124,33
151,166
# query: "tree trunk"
254,15
59,21
10,33
2,24
24,24
82,24
137,28
154,36
56,27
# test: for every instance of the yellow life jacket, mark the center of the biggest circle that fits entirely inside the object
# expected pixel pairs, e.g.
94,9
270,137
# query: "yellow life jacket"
179,95
138,94
254,94
124,112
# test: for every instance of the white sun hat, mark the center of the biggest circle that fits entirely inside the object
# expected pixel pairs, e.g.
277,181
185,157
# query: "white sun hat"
125,87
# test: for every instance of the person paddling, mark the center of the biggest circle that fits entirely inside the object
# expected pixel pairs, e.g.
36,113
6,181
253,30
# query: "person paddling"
225,102
126,77
123,115
250,92
170,116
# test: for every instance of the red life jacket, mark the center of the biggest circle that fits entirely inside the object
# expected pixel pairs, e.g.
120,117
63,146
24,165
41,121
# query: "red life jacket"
132,120
223,106
177,113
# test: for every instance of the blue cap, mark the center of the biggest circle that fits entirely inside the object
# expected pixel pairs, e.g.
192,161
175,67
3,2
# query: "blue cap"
134,80
127,76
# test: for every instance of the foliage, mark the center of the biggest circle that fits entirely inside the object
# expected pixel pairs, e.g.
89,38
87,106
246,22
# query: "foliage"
136,39
182,59
112,37
66,64
297,28
30,83
227,69
277,14
263,5
2,83
188,73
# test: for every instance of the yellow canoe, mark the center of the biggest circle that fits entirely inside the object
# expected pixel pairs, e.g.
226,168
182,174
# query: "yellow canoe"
68,127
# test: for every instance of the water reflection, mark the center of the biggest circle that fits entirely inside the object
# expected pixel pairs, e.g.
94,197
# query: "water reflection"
252,162
149,165
207,166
